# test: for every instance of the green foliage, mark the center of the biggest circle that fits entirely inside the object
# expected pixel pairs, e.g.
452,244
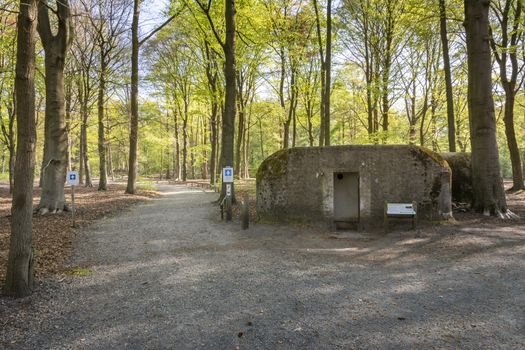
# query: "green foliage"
278,64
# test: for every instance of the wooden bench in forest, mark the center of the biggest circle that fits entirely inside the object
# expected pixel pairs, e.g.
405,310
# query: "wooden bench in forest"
200,184
400,211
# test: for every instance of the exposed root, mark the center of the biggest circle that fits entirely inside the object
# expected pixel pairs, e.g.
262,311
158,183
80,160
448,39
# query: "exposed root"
507,215
45,210
511,215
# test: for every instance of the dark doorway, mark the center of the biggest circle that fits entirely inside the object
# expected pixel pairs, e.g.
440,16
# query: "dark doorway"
346,198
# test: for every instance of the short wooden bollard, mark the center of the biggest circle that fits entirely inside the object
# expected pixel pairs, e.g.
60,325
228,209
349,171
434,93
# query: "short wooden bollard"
73,206
228,208
245,213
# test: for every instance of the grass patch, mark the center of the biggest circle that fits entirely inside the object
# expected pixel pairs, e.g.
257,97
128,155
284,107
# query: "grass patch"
80,272
147,186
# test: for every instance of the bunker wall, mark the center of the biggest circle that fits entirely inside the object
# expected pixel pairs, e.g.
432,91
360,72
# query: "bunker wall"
298,184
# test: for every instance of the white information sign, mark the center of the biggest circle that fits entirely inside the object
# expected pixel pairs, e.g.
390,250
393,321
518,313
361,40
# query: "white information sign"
228,190
227,175
400,209
72,178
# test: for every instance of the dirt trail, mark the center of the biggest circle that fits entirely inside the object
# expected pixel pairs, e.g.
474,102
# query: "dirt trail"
170,275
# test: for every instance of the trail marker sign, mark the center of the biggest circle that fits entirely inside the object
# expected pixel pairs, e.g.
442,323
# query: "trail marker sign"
227,175
72,178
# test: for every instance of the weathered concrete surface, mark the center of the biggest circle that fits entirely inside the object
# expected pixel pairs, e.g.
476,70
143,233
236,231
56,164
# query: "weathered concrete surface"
298,184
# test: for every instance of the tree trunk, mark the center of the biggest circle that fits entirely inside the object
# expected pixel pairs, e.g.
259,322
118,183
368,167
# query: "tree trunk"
68,126
177,167
185,147
212,75
81,152
489,194
240,134
228,123
510,133
85,153
56,139
448,77
12,164
245,151
322,131
213,135
134,120
504,52
102,184
328,70
192,151
204,141
11,144
19,274
288,121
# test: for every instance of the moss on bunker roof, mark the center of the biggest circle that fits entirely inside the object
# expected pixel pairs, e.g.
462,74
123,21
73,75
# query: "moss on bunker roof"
274,166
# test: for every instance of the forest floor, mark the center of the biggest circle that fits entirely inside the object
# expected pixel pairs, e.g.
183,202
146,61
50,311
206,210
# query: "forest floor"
168,274
53,234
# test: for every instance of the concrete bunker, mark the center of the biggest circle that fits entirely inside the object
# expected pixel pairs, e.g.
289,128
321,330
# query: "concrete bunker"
348,185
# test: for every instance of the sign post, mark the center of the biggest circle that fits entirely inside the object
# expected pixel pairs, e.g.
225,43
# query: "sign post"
72,179
227,179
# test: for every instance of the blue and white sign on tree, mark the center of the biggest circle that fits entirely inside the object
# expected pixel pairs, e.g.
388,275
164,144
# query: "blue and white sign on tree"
227,175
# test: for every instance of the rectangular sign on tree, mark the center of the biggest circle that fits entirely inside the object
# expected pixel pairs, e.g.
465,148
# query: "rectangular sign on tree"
227,175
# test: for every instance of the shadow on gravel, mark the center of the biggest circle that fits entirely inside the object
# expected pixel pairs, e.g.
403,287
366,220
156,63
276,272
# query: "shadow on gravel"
169,275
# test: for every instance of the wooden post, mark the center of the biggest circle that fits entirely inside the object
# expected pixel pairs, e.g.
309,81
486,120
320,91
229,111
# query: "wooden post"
228,202
385,217
73,205
245,213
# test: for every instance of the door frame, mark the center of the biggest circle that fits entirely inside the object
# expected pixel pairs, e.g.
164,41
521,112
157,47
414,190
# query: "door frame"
335,172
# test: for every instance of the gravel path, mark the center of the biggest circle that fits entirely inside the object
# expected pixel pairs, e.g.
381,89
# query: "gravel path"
170,275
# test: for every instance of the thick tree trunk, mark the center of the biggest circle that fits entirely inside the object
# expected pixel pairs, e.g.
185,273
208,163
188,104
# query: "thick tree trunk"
56,139
134,120
55,143
228,123
448,77
489,194
19,275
